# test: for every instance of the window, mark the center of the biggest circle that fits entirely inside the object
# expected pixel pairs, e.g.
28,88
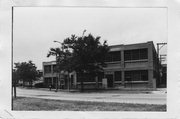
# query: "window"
144,75
113,56
139,75
137,54
55,80
47,69
47,81
143,53
117,75
128,76
55,68
127,55
116,56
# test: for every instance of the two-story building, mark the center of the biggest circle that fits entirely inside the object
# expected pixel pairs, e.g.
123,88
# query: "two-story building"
128,66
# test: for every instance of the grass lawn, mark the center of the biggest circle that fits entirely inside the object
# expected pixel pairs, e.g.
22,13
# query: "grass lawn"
36,104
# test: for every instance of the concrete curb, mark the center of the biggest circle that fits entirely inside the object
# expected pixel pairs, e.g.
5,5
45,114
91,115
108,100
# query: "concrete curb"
123,91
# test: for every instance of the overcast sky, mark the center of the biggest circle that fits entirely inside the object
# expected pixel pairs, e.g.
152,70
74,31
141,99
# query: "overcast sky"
35,28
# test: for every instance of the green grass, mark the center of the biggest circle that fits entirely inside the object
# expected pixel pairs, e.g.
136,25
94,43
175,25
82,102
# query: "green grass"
36,104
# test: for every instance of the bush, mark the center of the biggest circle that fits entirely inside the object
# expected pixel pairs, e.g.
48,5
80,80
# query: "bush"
39,85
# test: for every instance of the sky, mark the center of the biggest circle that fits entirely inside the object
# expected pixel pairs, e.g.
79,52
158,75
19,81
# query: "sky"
35,28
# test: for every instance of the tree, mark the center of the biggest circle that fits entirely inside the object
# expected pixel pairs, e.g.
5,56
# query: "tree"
57,52
88,55
26,72
62,59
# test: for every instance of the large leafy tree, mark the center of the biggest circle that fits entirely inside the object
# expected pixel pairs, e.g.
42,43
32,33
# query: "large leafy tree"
85,55
62,55
26,71
88,55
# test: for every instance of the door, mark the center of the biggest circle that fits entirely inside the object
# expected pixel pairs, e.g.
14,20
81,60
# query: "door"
109,80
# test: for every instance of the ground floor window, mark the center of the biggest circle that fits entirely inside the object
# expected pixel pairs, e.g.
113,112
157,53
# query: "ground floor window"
138,75
50,81
47,81
117,75
54,81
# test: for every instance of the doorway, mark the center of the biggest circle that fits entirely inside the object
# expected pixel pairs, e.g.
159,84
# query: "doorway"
110,80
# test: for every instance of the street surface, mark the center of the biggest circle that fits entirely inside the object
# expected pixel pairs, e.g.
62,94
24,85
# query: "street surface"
139,98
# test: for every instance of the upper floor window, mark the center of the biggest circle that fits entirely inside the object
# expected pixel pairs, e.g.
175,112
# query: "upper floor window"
47,69
136,54
55,68
113,56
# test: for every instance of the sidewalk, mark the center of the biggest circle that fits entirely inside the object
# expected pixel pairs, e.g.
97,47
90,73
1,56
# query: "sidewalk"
98,96
122,90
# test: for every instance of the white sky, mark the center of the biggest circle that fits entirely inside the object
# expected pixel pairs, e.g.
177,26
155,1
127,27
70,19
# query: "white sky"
35,28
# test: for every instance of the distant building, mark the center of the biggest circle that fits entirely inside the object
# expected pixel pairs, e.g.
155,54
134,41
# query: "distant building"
49,73
128,66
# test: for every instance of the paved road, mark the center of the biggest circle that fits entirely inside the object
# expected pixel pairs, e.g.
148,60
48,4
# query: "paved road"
139,98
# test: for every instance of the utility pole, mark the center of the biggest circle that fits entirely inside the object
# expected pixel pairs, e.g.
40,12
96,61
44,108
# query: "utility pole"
57,79
159,46
162,58
82,75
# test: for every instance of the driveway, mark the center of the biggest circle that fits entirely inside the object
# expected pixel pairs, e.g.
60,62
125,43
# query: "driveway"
140,98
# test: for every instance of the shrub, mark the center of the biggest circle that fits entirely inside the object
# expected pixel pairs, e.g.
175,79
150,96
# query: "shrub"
39,85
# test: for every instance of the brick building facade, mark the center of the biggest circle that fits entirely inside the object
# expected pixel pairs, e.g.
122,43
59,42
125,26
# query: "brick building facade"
128,66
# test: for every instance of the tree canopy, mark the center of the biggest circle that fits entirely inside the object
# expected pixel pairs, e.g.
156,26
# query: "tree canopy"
62,58
85,55
26,71
88,53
